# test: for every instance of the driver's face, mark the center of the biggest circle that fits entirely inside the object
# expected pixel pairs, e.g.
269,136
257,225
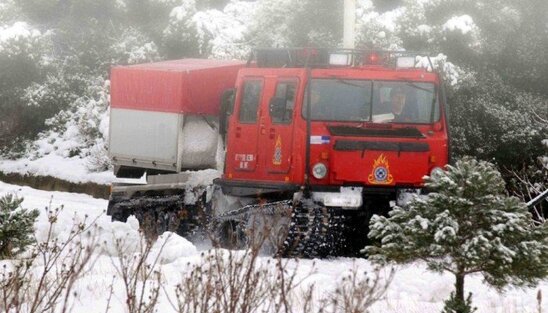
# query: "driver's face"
398,102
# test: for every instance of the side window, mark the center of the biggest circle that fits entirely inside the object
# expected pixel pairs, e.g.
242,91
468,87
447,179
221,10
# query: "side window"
283,103
250,101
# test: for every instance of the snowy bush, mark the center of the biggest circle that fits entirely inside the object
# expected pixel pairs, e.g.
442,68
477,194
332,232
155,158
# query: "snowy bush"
222,34
58,90
270,27
180,36
20,39
292,23
462,28
21,51
466,225
8,11
133,47
379,31
44,279
81,130
16,226
490,119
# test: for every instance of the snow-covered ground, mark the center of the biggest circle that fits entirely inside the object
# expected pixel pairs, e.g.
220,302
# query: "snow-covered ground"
413,289
73,169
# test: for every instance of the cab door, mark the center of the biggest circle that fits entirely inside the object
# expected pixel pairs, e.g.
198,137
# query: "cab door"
277,126
242,150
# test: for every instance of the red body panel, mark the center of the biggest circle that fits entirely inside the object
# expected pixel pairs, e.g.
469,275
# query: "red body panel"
251,148
182,86
405,168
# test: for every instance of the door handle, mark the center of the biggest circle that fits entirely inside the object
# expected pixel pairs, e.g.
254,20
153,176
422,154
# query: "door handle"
272,133
238,132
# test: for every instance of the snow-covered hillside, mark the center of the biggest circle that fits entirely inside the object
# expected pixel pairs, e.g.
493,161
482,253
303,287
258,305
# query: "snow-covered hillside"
413,289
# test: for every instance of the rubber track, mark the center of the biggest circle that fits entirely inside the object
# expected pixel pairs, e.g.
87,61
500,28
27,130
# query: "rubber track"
161,213
314,230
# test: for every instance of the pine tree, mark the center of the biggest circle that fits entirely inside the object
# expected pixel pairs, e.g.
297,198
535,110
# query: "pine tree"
466,225
16,226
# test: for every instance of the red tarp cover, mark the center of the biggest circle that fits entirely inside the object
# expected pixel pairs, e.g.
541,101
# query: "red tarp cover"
181,86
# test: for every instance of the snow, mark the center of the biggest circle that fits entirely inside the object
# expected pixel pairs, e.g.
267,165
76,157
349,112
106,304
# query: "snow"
222,33
71,169
464,24
413,289
170,247
424,29
18,39
18,31
423,222
453,74
74,146
135,48
181,12
378,29
202,177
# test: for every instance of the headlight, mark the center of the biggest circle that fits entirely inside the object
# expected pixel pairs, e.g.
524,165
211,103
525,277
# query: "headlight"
436,171
319,171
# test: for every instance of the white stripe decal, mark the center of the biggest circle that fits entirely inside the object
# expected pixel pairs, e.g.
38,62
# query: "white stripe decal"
319,140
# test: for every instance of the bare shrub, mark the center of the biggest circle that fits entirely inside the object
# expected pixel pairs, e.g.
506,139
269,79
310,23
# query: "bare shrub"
227,281
220,281
98,160
527,184
139,274
43,281
356,292
235,281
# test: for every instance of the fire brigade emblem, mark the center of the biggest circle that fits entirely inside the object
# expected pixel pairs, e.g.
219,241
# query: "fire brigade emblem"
277,157
380,175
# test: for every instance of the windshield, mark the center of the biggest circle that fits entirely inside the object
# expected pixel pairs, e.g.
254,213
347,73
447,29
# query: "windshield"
328,95
377,101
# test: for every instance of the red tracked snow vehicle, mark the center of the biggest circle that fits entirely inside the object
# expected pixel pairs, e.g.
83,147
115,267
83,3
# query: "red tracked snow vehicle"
377,125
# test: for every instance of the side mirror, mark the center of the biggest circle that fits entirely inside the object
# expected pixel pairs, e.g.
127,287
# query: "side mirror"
227,107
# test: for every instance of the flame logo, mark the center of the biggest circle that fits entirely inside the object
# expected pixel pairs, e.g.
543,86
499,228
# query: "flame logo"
380,175
277,157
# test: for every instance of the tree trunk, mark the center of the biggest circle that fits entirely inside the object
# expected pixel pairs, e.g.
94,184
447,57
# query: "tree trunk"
459,288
